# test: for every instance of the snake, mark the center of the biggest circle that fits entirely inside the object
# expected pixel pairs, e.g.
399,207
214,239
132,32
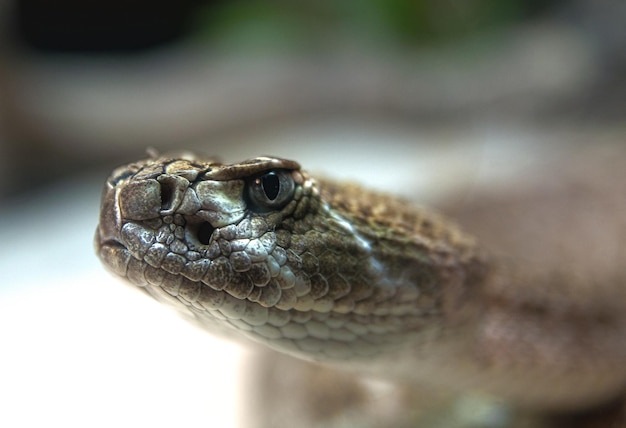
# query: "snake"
359,279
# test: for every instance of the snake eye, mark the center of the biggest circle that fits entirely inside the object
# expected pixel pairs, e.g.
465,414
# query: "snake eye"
272,189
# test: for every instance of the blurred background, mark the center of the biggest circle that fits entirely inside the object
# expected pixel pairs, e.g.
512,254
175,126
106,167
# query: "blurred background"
416,97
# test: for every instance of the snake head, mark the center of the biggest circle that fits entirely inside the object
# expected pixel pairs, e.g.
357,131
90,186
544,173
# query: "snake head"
230,244
180,225
254,247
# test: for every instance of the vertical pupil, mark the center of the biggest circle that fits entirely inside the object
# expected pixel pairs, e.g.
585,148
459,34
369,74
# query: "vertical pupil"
271,185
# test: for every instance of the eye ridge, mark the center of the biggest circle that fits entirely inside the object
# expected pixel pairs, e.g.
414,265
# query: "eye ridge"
271,190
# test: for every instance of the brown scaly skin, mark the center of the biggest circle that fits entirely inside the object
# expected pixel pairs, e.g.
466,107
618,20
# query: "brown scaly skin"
355,278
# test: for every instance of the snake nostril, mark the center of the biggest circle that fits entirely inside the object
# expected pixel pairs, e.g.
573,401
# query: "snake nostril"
167,194
204,232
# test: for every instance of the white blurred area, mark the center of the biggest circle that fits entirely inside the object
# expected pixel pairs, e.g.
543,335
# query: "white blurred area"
79,348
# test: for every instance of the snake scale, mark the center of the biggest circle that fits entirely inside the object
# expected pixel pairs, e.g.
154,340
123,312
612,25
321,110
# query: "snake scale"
335,273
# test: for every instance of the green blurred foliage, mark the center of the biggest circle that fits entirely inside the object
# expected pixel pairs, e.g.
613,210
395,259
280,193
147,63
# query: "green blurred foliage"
296,24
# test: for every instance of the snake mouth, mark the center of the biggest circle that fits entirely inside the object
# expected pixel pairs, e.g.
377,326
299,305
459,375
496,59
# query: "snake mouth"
112,252
110,242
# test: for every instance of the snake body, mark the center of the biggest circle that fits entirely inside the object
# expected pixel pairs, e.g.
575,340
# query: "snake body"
339,274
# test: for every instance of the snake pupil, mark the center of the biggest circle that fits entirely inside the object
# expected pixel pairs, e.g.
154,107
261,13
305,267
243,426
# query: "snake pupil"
271,190
271,185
